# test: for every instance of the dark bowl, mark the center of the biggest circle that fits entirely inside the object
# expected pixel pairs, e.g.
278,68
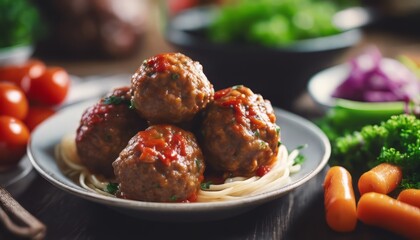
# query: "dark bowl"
279,74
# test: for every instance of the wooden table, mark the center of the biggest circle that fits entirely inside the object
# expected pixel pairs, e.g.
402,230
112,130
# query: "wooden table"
298,215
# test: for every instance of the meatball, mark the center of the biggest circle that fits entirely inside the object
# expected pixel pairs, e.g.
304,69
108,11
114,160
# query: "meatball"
160,164
239,132
170,88
105,129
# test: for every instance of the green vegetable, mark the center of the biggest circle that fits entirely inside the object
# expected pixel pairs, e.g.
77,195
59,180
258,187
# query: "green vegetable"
394,141
174,76
348,116
20,23
273,22
115,100
198,163
112,188
205,185
300,158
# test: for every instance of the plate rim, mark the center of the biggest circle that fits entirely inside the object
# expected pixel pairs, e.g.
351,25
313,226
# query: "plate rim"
196,206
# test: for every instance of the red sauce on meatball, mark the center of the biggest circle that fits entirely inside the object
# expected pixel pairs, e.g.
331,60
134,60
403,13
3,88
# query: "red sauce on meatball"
244,112
97,113
159,63
160,145
160,164
261,171
239,132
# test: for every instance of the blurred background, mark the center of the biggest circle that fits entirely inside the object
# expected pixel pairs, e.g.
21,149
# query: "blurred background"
272,46
50,48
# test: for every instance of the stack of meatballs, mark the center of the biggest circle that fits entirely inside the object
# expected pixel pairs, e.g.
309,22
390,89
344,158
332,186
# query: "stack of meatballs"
157,137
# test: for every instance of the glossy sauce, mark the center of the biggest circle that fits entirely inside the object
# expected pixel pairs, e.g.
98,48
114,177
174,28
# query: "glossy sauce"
244,112
163,146
262,170
97,114
158,63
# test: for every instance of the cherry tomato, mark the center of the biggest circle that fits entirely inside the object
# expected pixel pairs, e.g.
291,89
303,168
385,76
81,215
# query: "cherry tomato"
176,6
50,88
36,115
13,101
14,137
19,74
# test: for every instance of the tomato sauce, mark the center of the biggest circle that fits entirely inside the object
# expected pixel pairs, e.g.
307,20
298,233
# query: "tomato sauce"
244,112
262,170
97,114
163,146
158,63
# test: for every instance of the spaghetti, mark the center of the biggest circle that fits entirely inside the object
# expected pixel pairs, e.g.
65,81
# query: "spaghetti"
232,188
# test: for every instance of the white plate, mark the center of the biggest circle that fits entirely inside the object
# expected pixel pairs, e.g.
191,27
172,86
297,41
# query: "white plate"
294,129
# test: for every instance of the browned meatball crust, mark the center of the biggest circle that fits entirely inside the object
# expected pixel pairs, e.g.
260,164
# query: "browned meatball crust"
170,88
239,131
160,164
105,129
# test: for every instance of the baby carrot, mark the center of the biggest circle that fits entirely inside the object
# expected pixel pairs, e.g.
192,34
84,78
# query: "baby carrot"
382,211
339,200
383,178
410,196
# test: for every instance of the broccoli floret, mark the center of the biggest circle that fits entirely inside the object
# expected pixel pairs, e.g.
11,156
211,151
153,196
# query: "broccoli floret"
394,141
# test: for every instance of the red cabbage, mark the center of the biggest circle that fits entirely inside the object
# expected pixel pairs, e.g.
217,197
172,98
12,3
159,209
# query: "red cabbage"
373,78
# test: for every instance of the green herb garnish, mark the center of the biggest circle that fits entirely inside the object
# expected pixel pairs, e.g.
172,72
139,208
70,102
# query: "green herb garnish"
278,130
198,163
257,133
301,147
111,188
263,144
205,185
299,159
174,76
115,100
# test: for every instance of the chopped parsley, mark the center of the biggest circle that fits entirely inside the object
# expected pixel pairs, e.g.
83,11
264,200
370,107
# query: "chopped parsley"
302,146
263,145
132,104
299,159
257,133
114,100
205,185
111,188
198,163
173,198
278,130
174,76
